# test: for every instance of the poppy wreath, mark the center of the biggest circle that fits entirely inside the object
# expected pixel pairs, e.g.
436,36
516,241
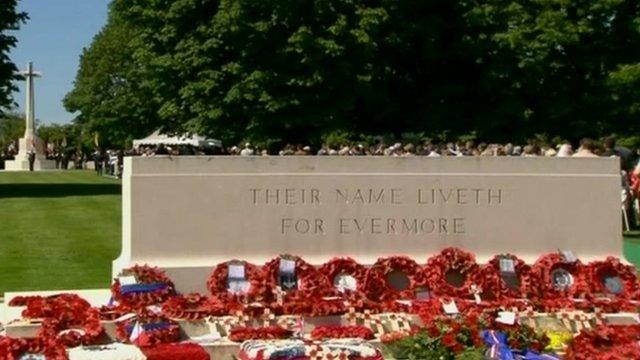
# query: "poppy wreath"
377,285
152,287
310,280
542,271
155,330
493,284
452,261
218,282
51,348
193,307
61,306
347,266
66,317
599,270
82,330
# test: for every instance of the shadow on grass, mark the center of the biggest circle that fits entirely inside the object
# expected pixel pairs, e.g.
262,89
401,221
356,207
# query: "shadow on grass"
57,190
634,234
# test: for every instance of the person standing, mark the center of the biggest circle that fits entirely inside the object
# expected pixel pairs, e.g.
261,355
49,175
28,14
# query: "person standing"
32,158
587,149
97,162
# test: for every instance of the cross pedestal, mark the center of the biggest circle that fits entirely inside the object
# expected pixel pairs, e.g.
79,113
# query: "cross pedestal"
21,162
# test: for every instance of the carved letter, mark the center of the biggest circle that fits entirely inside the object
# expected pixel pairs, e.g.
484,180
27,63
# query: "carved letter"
378,198
443,226
255,195
289,196
410,227
497,196
319,226
428,226
462,194
395,196
286,224
342,196
458,225
302,226
343,226
375,225
315,196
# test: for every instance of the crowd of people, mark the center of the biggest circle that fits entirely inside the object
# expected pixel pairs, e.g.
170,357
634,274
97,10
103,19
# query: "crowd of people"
586,148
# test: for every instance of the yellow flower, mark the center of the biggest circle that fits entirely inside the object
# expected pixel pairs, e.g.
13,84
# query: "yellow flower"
558,340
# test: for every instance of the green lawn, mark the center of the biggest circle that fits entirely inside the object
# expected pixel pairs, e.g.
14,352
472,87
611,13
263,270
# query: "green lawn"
61,230
58,230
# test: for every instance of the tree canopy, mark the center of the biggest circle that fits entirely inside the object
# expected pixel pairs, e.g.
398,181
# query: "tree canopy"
293,71
10,19
11,128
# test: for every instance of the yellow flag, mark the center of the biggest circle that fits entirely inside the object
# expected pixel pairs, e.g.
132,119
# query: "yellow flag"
96,139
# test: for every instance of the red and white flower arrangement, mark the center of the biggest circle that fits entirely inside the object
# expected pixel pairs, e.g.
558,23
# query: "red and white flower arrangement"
455,262
493,284
546,287
154,287
377,285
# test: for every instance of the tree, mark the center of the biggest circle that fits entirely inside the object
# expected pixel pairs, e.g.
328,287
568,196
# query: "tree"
111,100
10,19
291,71
66,137
549,62
11,128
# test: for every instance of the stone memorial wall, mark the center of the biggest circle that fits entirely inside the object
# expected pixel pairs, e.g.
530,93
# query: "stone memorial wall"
186,214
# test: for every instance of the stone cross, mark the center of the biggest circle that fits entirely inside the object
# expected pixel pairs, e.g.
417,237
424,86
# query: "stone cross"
29,75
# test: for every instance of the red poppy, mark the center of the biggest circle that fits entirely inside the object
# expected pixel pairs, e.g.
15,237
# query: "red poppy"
449,340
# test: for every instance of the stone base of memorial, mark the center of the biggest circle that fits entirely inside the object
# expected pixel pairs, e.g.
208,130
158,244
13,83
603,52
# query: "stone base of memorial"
21,161
186,214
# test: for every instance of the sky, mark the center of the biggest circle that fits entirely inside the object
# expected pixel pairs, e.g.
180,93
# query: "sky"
53,38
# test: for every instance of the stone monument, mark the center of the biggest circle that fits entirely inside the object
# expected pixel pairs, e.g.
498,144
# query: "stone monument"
30,142
187,214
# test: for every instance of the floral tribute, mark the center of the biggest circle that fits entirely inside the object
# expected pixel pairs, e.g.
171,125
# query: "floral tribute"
446,338
65,317
310,280
377,285
457,263
493,284
313,294
575,277
345,266
600,271
456,326
341,332
152,287
218,282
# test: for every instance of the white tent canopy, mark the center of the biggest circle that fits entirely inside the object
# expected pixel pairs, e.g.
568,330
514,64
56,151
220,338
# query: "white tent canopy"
186,139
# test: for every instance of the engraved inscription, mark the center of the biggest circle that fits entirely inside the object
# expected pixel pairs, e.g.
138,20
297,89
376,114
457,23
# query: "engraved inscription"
370,199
